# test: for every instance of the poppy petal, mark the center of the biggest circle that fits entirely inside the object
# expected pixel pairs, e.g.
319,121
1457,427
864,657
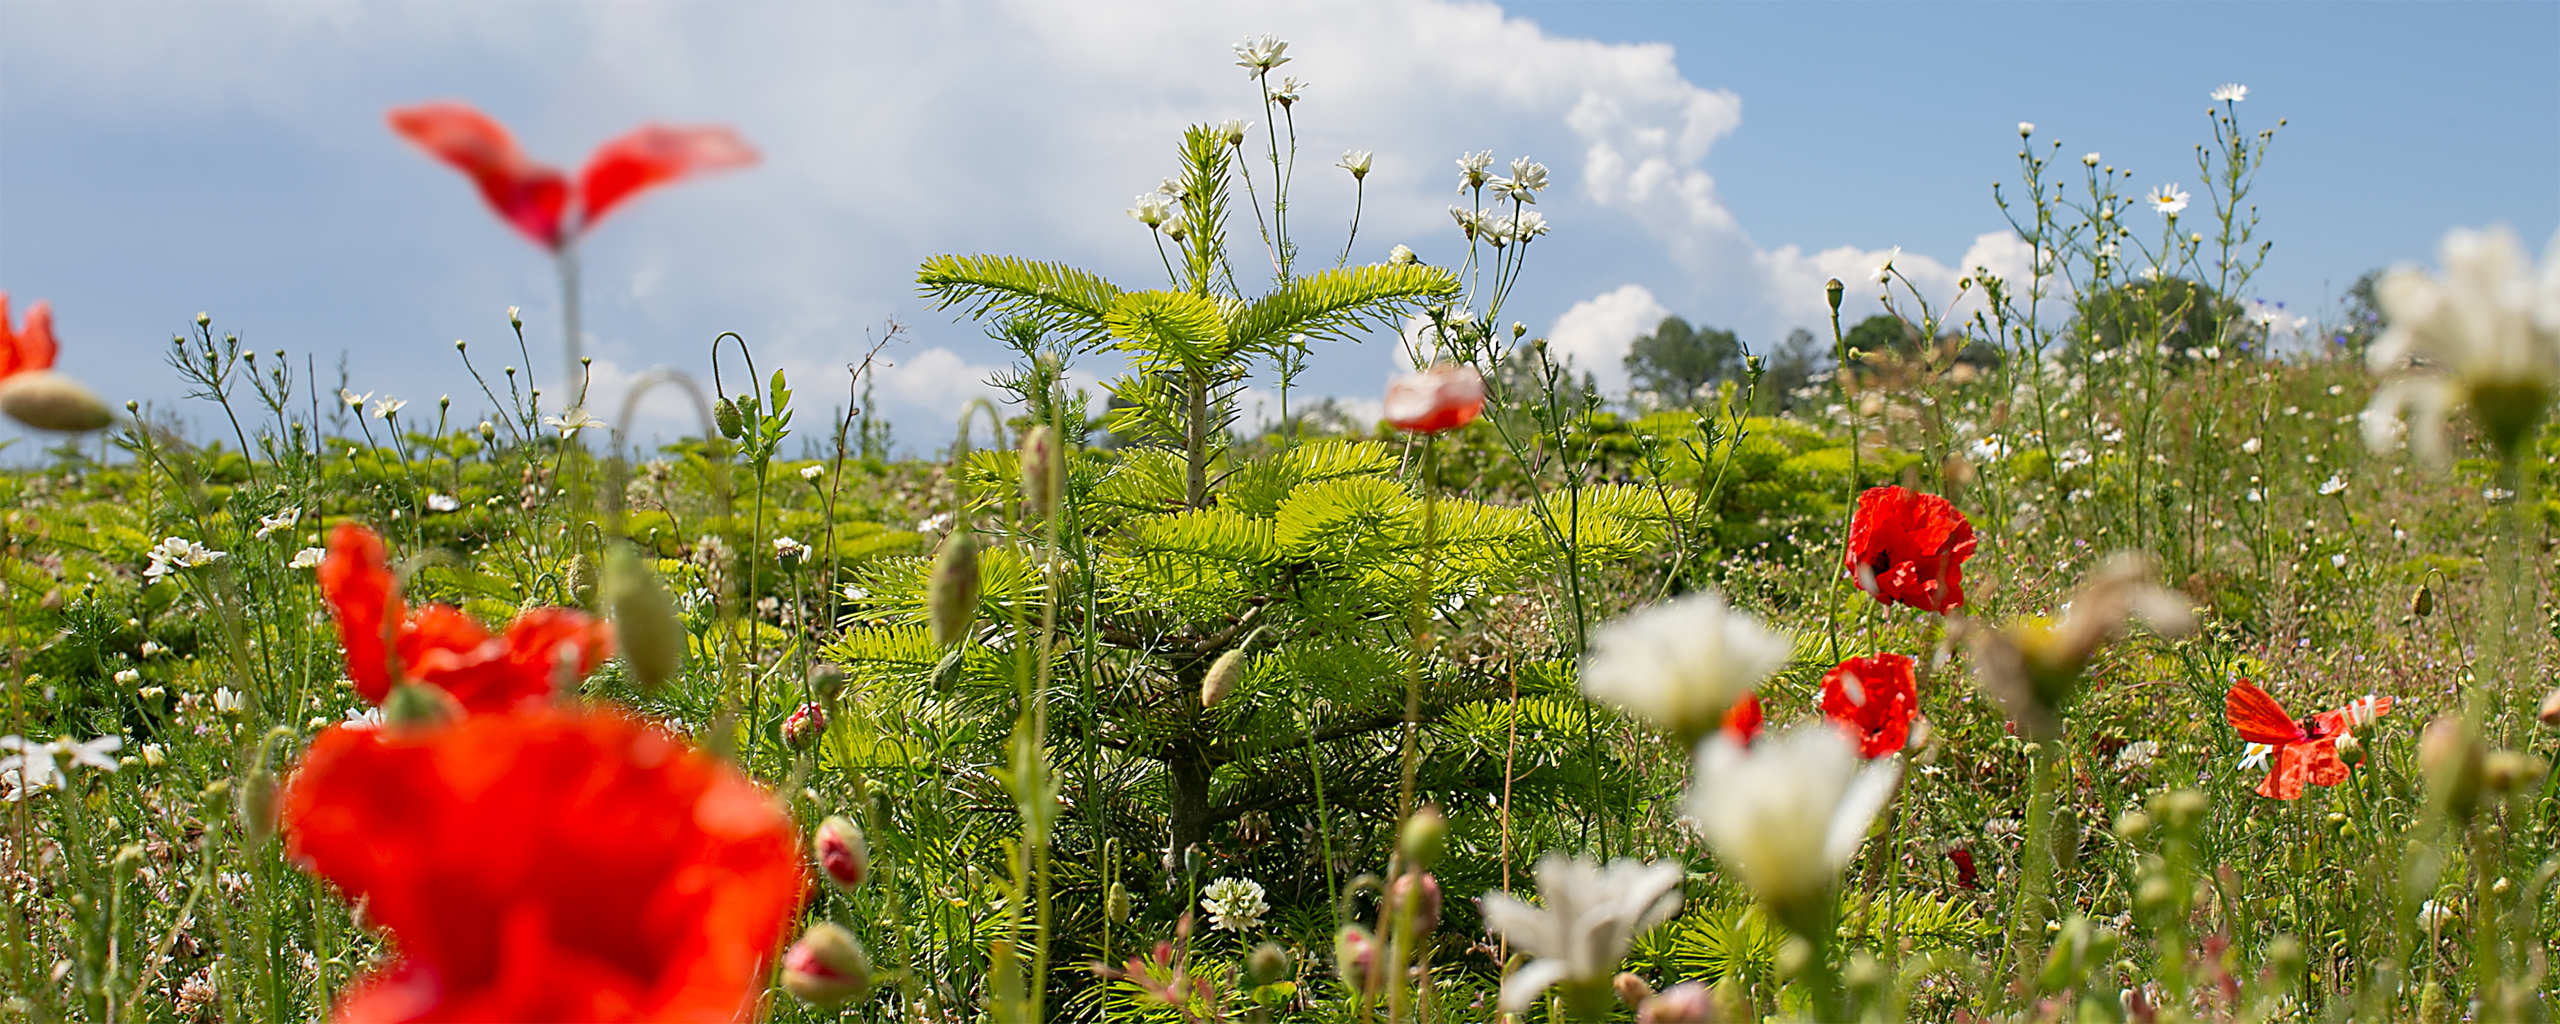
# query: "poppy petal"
526,194
30,349
650,156
2293,767
2257,717
356,580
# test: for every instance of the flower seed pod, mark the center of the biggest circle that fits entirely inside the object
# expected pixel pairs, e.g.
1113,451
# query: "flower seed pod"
47,400
802,730
644,617
827,967
2450,757
1424,838
841,851
579,576
1115,903
258,805
724,415
1039,470
951,595
1267,964
1222,677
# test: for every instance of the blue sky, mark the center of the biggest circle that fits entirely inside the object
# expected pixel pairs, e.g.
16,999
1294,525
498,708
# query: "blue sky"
1717,161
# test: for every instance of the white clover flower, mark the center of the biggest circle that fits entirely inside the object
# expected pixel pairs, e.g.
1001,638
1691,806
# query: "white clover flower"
388,407
1234,904
572,422
2137,754
2168,200
128,676
1152,209
307,558
1402,256
442,503
1591,915
1471,168
177,553
812,473
1788,814
1261,53
1681,663
2231,92
2334,485
2250,446
2486,334
1356,161
284,519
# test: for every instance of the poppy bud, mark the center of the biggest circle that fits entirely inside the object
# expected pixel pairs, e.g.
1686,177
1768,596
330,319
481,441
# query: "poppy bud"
1685,1003
258,805
2506,771
802,729
826,680
2423,603
841,851
580,578
418,707
2350,750
2550,713
724,414
1632,989
951,595
1039,470
2450,757
1115,903
1355,957
1424,837
1426,899
827,967
644,617
47,400
1267,964
1222,677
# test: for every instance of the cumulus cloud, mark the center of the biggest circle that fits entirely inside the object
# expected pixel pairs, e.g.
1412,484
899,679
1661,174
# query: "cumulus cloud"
1596,334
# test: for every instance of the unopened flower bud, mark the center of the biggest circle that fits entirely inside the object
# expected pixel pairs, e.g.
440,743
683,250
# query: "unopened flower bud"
2350,750
459,345
2450,757
1688,1002
1518,329
841,851
1425,894
1355,957
1222,677
2550,713
579,577
826,680
644,617
515,316
1424,838
724,415
258,805
2423,603
802,730
951,594
1267,964
1039,470
47,400
488,431
1632,989
827,967
204,319
1115,903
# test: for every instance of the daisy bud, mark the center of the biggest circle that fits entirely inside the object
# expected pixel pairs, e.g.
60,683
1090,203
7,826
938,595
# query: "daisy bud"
2450,757
488,431
1039,470
1268,963
204,319
2350,750
2550,713
47,400
644,617
951,594
1424,838
802,729
826,680
1355,956
827,967
1632,989
841,851
1426,899
724,415
1222,677
515,317
258,805
1685,1003
1115,903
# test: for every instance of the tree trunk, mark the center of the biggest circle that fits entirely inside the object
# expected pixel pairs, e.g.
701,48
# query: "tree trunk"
1187,769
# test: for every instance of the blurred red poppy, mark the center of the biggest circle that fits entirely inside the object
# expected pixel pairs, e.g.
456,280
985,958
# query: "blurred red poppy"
29,350
2304,751
1445,397
540,200
1742,721
554,864
439,644
1873,699
1906,547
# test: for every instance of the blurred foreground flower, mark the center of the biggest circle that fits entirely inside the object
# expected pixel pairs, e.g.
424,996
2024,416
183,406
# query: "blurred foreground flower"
440,645
1682,663
2033,668
539,200
1788,814
2304,751
1907,547
1442,398
1591,915
549,865
2486,335
30,392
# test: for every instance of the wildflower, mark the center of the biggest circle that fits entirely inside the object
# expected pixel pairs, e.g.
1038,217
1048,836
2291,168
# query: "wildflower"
2487,334
1742,722
2232,92
229,701
1872,700
1259,54
935,523
1884,271
1471,167
177,553
388,407
1442,398
152,649
1965,870
1152,209
1525,225
842,854
1289,91
2333,485
2433,916
1402,256
442,503
2304,751
802,729
1222,676
30,392
388,644
1789,813
128,676
1234,904
827,967
2089,159
2137,755
2026,128
1591,915
787,549
2033,669
1355,956
1356,161
812,473
284,519
1907,547
1232,130
2250,446
1041,469
951,592
354,401
556,864
572,422
537,200
1682,663
307,558
2168,200
154,755
1527,177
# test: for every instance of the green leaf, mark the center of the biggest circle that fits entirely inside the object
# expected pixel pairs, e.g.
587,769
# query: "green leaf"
1057,297
1172,326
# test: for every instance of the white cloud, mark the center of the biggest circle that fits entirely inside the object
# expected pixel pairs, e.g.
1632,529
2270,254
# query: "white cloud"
1596,334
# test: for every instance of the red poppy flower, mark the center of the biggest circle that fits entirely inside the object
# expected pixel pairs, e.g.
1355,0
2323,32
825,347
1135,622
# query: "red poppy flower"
2304,751
1907,547
1965,874
28,350
1742,721
550,865
441,645
1872,699
535,198
1445,397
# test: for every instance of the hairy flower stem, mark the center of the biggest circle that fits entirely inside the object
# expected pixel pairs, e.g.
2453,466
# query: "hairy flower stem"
1421,628
2034,905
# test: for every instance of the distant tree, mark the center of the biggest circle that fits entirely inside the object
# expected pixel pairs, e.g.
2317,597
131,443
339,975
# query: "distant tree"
1880,335
1677,360
1787,371
2171,311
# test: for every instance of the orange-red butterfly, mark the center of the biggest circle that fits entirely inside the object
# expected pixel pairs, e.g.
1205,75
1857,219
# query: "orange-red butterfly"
2305,750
